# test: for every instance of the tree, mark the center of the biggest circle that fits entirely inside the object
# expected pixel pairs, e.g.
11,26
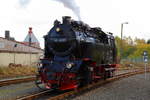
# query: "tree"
130,48
148,41
138,41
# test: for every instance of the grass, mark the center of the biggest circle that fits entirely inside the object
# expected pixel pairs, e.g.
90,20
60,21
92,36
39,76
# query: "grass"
6,72
17,71
130,65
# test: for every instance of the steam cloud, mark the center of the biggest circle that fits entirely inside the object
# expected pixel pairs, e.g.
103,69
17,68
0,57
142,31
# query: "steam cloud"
24,3
71,5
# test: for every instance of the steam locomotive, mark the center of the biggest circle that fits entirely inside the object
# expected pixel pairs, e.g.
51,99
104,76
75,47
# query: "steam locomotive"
76,55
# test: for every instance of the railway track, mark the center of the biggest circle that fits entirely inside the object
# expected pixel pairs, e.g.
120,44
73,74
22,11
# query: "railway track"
78,91
15,81
25,79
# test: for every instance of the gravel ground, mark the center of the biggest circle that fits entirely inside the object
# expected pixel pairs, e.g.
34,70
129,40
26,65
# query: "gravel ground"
131,88
117,72
17,90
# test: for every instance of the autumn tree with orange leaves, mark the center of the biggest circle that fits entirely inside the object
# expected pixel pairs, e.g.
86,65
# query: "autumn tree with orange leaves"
132,48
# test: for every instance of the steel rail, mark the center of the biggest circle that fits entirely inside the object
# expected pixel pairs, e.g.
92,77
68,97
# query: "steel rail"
15,81
33,96
91,86
21,80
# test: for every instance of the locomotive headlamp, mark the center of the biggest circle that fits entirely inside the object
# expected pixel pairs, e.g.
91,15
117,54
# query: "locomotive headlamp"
57,29
40,65
69,65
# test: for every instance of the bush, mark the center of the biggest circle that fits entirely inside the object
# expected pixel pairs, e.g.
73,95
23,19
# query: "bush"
17,71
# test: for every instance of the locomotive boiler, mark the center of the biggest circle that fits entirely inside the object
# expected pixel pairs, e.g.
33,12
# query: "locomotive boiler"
76,55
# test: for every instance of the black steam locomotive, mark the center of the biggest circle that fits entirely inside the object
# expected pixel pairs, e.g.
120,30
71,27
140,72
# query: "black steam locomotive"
76,55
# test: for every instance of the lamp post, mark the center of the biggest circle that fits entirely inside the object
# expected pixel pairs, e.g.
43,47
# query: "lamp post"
121,50
15,45
122,28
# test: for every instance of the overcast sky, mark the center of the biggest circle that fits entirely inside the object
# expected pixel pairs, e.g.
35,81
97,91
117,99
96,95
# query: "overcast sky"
18,15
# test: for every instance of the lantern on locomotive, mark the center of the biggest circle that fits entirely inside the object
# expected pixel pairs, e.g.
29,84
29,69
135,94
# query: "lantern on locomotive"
75,55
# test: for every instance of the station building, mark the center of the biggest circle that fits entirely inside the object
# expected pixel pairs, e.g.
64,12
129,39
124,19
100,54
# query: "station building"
26,53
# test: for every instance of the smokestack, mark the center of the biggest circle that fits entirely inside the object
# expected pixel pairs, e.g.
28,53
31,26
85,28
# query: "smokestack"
7,34
66,19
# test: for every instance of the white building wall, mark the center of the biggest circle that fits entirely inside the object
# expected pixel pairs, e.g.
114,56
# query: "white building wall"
21,53
8,45
20,58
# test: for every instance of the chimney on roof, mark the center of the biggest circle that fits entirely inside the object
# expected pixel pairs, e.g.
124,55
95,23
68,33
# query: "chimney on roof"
7,34
30,39
30,32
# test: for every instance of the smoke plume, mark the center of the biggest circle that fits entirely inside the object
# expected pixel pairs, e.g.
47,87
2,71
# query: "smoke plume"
71,4
24,3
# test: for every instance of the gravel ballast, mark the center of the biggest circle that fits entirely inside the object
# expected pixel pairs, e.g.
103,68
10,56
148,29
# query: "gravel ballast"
132,88
11,92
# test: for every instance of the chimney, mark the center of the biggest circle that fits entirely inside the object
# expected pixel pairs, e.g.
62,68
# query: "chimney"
7,34
66,19
30,32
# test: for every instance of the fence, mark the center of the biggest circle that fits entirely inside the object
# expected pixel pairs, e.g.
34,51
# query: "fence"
134,60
